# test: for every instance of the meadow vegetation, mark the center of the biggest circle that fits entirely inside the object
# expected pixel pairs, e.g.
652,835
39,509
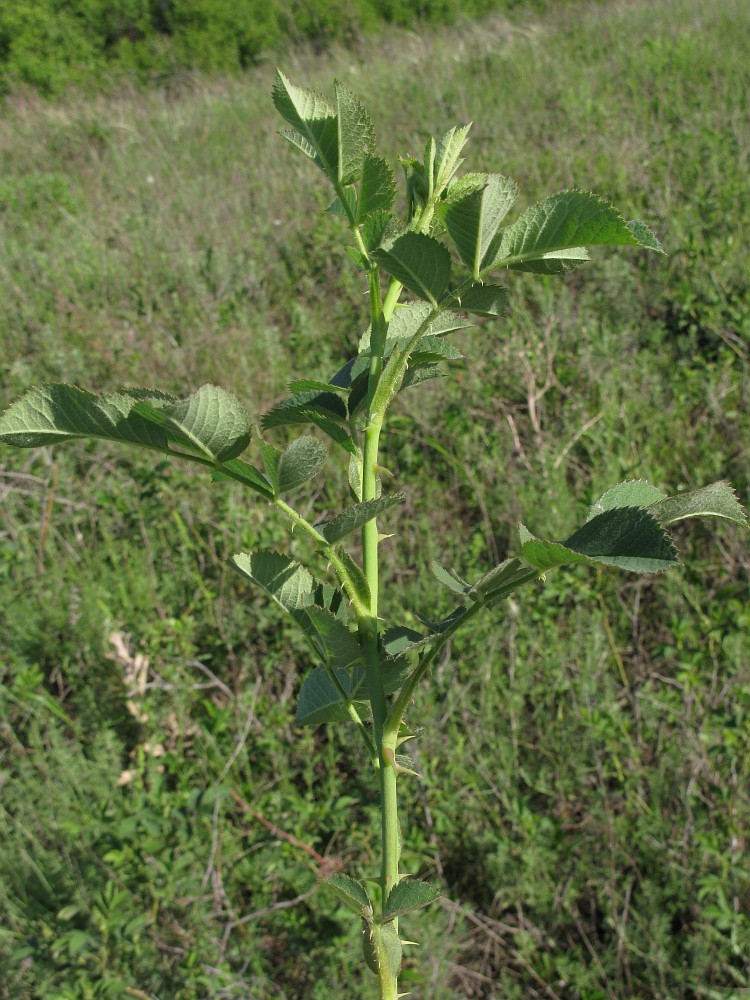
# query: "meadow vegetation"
585,798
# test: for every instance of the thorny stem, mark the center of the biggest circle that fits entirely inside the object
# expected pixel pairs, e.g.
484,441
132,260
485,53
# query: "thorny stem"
368,623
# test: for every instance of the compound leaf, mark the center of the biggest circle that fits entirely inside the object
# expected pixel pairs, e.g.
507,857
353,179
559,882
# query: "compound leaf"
419,262
568,221
211,422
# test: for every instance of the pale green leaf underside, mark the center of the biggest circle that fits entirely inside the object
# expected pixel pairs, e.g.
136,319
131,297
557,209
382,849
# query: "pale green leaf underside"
349,891
355,517
313,121
632,493
409,894
716,500
447,158
405,322
300,462
450,579
284,580
419,262
211,422
320,701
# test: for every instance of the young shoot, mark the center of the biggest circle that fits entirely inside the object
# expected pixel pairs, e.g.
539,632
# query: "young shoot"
429,270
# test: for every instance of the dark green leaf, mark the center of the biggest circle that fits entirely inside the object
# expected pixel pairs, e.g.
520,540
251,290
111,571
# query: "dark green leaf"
297,409
354,517
241,472
339,646
399,639
419,262
485,300
628,537
417,373
376,229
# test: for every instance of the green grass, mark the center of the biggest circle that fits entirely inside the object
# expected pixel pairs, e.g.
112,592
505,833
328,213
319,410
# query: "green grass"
585,797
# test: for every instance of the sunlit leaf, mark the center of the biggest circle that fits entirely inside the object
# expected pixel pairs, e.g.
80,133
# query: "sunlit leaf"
356,135
210,423
419,262
473,221
313,121
632,493
565,222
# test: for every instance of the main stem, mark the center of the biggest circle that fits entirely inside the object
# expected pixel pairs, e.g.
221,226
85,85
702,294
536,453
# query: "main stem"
368,624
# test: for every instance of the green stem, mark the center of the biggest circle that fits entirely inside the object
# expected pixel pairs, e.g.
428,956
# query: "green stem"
368,624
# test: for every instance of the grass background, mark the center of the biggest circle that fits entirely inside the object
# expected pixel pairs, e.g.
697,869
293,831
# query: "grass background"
586,758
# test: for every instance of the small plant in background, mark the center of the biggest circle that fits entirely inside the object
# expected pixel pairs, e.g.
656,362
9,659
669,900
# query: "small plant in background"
426,272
